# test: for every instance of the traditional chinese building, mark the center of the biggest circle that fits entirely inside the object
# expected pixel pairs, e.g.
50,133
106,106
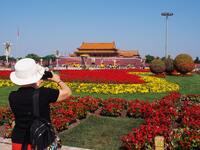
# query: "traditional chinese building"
103,50
103,53
97,50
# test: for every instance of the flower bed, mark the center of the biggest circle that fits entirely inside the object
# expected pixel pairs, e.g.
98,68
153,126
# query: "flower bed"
178,121
4,74
3,115
63,113
91,104
137,109
113,107
101,76
102,80
193,98
172,117
71,109
153,84
5,83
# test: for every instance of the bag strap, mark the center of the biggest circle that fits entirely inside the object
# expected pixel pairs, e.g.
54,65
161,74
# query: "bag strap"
36,112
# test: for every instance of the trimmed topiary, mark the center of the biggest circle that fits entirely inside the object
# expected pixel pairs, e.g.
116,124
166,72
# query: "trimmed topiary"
169,65
184,63
157,66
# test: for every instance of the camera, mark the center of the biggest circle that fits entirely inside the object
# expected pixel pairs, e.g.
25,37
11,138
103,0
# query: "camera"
47,74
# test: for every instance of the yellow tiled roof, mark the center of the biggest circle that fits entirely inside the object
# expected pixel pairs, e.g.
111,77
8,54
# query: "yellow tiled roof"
97,46
94,51
127,53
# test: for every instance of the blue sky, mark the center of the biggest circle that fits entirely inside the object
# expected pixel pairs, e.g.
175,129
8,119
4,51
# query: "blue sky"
48,25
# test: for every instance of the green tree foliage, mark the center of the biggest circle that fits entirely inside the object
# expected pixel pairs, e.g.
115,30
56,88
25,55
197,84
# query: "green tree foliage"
197,60
33,56
49,57
3,58
157,66
169,65
184,63
9,58
149,58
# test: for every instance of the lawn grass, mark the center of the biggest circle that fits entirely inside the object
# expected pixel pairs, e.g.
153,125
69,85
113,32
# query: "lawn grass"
141,96
99,132
188,84
4,93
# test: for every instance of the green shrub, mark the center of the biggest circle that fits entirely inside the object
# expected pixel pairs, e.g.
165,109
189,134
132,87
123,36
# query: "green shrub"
169,65
184,63
157,66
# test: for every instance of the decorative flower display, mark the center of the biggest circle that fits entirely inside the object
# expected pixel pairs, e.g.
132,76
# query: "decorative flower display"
5,83
153,84
173,117
138,108
101,76
3,115
91,104
113,107
110,81
4,74
178,121
6,119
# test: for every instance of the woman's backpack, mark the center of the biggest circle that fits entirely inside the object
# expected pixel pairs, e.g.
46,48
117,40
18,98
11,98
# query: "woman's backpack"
42,133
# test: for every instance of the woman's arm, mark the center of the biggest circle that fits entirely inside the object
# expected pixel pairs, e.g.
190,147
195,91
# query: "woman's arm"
65,91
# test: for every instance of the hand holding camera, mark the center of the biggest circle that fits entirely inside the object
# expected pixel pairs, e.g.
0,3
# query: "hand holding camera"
48,75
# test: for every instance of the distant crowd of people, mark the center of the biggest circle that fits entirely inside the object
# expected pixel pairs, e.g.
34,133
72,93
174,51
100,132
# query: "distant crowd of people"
95,66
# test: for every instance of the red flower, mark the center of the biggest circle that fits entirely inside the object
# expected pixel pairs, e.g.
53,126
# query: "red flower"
100,76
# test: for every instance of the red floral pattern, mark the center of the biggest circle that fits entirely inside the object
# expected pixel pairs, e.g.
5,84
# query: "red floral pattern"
113,107
178,121
101,76
5,74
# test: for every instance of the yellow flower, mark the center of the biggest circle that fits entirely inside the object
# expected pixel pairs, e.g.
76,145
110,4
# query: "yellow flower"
152,84
6,83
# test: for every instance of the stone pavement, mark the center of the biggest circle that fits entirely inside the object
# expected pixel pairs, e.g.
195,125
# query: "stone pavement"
5,144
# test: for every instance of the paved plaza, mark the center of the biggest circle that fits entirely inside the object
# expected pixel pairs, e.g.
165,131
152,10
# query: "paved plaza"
5,144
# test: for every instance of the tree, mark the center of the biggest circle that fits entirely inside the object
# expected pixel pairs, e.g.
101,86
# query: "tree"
33,56
184,63
157,66
169,65
197,60
3,57
149,58
49,57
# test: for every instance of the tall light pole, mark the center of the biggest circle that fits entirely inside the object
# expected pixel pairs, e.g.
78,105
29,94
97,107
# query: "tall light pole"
57,55
166,14
7,48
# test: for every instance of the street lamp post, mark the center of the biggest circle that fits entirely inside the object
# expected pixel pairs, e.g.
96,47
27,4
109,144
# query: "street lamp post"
7,48
57,55
166,14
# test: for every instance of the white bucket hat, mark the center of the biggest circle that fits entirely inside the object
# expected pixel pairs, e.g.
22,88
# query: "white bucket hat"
26,72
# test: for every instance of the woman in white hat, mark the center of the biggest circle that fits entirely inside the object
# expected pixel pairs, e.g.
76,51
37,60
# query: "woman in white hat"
29,75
